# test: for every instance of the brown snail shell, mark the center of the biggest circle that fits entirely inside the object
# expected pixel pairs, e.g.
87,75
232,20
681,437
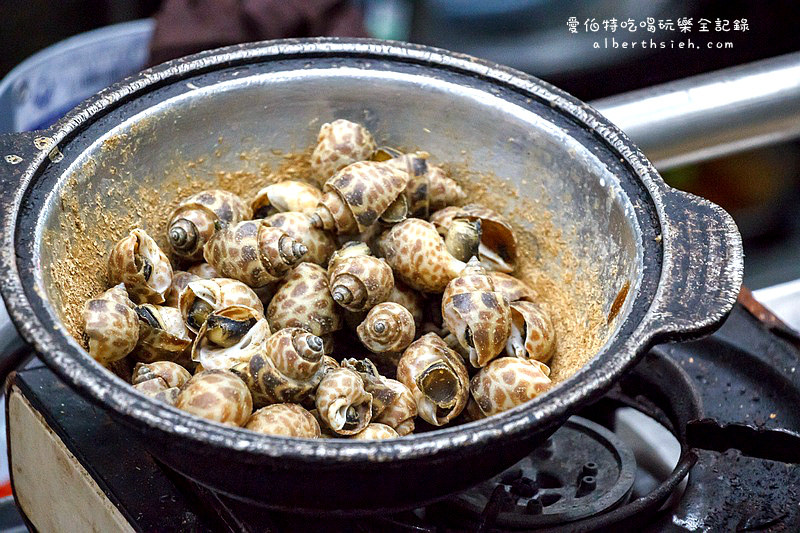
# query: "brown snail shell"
163,335
410,299
442,190
357,195
139,263
418,256
374,383
339,144
514,289
358,281
180,280
173,374
436,377
388,327
158,389
375,431
476,314
428,188
304,301
507,382
288,369
253,252
111,326
203,271
532,334
298,226
230,336
498,246
217,395
401,411
287,195
342,403
284,419
202,297
196,218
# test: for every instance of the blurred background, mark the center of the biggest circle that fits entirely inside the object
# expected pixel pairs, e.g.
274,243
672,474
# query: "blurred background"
761,188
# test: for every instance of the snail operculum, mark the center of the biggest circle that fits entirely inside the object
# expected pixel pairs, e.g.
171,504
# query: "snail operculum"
230,335
201,297
463,238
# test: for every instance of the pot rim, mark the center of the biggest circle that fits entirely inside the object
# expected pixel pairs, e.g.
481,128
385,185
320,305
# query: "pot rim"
664,318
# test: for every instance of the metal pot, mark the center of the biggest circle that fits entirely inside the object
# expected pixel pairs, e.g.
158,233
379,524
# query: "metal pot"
680,254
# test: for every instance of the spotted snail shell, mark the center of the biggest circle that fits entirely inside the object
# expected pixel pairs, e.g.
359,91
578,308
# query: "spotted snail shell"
203,271
286,196
514,289
111,326
288,369
532,334
342,403
388,327
374,383
357,195
173,374
163,335
340,143
498,245
507,382
358,281
284,419
429,188
180,279
304,301
436,377
159,390
298,226
230,336
196,218
476,314
401,411
409,298
253,252
201,297
217,395
139,263
417,255
375,431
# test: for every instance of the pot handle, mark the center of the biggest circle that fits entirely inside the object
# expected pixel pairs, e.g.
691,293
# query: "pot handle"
702,268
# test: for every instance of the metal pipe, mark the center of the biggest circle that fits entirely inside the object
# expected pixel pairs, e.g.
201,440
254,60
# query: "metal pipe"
713,114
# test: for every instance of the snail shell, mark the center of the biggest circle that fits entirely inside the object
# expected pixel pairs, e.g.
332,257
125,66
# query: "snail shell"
304,301
357,195
476,314
158,389
229,336
401,411
418,256
111,326
388,327
375,431
203,271
532,334
163,336
253,252
498,246
180,280
217,395
463,238
436,377
284,419
202,297
195,219
507,382
139,263
340,143
514,289
358,281
374,383
442,190
410,299
298,226
286,196
173,374
288,369
342,402
428,188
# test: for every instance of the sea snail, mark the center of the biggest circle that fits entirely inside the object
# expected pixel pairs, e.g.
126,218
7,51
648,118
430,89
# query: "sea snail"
288,195
284,419
340,143
180,279
476,314
400,412
320,243
139,263
356,196
253,252
375,431
418,256
230,336
111,326
342,403
197,217
436,377
388,327
358,281
303,300
158,389
201,297
217,395
532,334
507,382
163,335
173,374
428,189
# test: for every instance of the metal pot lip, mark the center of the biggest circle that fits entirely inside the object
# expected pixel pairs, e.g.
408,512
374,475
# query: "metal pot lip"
69,360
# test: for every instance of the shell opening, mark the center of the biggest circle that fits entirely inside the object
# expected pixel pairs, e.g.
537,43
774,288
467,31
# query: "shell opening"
183,235
439,384
265,211
226,332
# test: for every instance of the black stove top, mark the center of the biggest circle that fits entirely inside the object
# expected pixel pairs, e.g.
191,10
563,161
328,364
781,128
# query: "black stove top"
732,401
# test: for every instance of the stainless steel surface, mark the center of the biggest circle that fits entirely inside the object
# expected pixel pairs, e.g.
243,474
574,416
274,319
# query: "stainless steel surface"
713,114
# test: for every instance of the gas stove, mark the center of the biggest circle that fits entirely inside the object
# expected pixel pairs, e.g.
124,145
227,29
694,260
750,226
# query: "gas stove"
730,401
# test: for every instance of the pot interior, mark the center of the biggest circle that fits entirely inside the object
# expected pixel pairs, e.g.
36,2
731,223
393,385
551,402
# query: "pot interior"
243,127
